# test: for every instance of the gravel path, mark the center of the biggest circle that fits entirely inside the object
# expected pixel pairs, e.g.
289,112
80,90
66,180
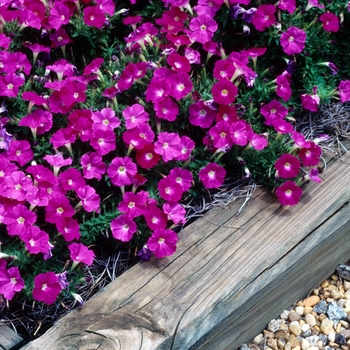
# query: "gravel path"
320,321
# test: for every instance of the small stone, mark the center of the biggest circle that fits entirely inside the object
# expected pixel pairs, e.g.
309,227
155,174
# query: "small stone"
335,313
320,344
272,343
306,334
321,307
344,323
304,344
284,315
294,342
287,346
323,338
268,334
313,348
331,287
296,348
316,292
346,285
310,319
347,294
340,339
336,295
316,329
304,327
333,345
258,339
301,322
281,343
325,284
282,334
345,333
346,305
331,336
327,326
295,328
338,328
344,271
341,302
307,310
328,348
344,347
294,316
274,325
322,317
311,301
300,310
244,347
313,340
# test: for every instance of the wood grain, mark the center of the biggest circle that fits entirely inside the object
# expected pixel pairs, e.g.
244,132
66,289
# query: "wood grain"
9,340
230,276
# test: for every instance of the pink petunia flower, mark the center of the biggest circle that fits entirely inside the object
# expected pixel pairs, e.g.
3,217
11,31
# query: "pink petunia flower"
146,157
179,63
105,120
181,85
10,281
90,200
283,89
134,116
239,132
212,175
103,141
287,166
46,287
224,92
80,253
157,89
202,28
310,102
168,146
93,67
73,92
264,17
93,166
57,161
123,228
39,122
182,177
71,179
313,3
293,40
287,5
19,220
220,134
69,228
289,193
201,115
36,240
169,189
175,211
310,156
167,108
330,22
273,111
344,90
133,204
16,185
314,176
10,84
187,146
94,17
58,208
62,68
121,171
155,217
162,243
20,152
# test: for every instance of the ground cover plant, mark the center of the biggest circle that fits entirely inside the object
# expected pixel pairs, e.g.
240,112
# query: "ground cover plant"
115,115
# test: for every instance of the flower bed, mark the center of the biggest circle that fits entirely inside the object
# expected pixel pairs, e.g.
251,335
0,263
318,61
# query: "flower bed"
115,118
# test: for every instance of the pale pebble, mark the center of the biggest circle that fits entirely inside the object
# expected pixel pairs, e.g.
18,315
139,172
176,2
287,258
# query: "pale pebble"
327,326
310,319
305,327
258,339
294,327
311,301
331,336
304,344
300,310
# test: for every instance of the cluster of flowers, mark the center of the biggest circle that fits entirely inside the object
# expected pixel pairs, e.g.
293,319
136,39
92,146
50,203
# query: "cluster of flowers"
122,122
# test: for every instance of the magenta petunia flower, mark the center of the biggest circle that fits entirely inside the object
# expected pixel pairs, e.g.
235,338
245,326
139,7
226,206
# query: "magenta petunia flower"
310,156
293,40
135,115
221,136
168,145
310,102
146,157
20,152
273,111
313,176
330,22
201,115
105,120
69,228
239,132
287,166
187,146
212,175
16,185
287,5
46,287
289,193
62,68
155,217
89,198
57,161
121,171
344,90
258,142
169,189
223,69
58,208
162,243
59,15
202,28
10,84
39,122
175,211
123,228
157,89
179,63
73,92
224,92
93,67
283,89
139,136
103,141
80,253
94,17
299,140
93,166
282,126
313,3
10,281
181,85
71,179
182,177
166,109
19,219
36,240
133,204
264,17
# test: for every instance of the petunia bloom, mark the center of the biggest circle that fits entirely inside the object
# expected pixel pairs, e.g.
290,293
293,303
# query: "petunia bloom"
293,40
212,175
162,243
80,253
287,166
330,22
46,287
123,228
289,193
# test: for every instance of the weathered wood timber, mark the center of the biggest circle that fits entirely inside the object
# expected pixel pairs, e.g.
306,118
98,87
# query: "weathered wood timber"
9,340
229,277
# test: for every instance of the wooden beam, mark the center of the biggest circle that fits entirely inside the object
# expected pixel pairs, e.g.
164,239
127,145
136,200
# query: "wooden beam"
230,276
9,340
